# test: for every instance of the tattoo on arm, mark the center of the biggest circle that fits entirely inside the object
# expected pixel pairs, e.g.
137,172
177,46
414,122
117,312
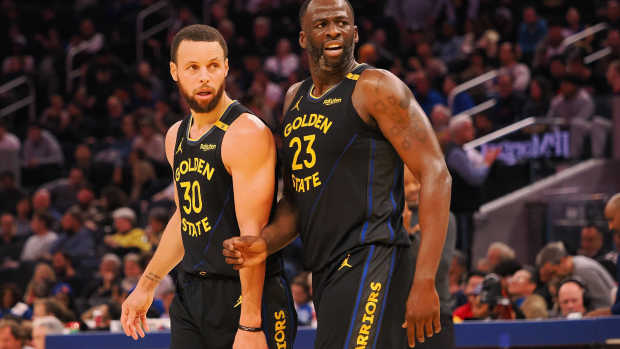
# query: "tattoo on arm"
153,277
404,114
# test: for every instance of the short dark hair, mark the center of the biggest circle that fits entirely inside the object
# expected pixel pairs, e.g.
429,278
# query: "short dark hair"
304,8
46,218
197,32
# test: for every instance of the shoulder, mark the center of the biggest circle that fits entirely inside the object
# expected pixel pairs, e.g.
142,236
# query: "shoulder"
171,139
290,94
371,77
380,83
247,135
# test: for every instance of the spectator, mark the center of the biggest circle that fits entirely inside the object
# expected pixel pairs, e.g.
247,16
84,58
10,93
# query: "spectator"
427,62
575,106
10,147
89,40
509,106
106,285
550,46
133,268
23,216
426,96
42,203
41,327
284,62
66,273
591,243
40,244
64,190
499,252
11,336
519,72
534,307
149,141
127,236
440,119
466,179
42,157
521,285
460,102
9,192
10,244
51,307
56,117
11,303
554,261
573,22
457,273
612,215
477,66
158,218
303,302
472,290
612,13
572,299
41,284
114,118
144,72
531,31
75,239
537,103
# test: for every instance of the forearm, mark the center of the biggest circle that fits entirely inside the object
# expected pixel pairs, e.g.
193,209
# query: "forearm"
168,254
434,214
252,280
283,229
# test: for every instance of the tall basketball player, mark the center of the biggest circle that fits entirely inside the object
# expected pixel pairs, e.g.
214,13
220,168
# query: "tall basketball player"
223,163
347,131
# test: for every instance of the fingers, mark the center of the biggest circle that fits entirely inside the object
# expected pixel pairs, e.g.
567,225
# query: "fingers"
410,333
228,244
428,326
437,323
145,325
138,325
124,314
419,330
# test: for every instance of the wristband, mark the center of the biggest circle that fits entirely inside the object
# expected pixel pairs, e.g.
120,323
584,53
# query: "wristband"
250,329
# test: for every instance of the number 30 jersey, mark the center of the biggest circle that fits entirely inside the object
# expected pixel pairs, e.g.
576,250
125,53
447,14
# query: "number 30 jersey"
343,176
206,198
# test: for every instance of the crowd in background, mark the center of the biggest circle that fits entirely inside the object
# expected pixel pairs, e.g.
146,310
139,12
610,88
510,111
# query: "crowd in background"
86,190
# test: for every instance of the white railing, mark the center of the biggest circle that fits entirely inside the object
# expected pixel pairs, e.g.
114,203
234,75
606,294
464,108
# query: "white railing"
510,129
480,107
72,74
595,56
469,84
28,101
142,34
589,31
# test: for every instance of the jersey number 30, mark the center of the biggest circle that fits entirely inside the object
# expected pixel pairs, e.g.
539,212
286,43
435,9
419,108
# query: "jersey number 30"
297,143
193,197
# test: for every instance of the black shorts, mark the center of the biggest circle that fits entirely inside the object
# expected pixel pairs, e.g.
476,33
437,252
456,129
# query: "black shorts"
360,299
205,313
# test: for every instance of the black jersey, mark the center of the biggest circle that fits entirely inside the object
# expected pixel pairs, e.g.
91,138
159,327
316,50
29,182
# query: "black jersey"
346,179
206,198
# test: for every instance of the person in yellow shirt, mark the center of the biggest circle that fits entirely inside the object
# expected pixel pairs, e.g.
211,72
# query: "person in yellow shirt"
127,235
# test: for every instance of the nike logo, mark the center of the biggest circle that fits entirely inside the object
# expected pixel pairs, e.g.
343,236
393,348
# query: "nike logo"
345,262
238,303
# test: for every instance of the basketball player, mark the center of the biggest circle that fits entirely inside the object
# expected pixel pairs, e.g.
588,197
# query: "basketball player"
347,131
223,163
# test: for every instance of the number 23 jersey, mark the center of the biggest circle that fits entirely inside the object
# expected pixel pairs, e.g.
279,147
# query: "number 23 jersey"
344,177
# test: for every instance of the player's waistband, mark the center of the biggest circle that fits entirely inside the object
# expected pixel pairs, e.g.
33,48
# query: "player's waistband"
215,276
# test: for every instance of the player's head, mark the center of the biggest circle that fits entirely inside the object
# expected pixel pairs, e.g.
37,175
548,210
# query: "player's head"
199,65
328,33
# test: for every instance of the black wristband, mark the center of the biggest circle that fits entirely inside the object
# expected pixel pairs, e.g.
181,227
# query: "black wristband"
250,329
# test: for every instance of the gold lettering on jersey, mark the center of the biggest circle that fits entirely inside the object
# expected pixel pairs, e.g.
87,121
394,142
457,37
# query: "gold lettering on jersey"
197,228
368,319
194,165
331,101
303,185
205,147
318,121
279,328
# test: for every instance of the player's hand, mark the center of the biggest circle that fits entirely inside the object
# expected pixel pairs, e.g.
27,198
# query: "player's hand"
245,251
133,315
250,340
422,314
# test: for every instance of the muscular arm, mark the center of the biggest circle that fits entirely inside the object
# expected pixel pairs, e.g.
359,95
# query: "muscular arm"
382,97
253,184
170,250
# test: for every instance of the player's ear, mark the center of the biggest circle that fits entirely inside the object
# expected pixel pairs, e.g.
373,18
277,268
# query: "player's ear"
356,34
302,39
173,71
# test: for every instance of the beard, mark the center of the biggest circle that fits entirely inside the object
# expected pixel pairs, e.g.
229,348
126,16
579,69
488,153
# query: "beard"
338,64
197,106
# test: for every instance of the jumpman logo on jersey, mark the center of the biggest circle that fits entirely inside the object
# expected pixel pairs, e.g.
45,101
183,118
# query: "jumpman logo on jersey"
297,104
180,148
238,303
345,262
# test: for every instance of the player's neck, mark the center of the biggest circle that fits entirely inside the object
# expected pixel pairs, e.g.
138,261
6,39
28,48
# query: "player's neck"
206,120
324,79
